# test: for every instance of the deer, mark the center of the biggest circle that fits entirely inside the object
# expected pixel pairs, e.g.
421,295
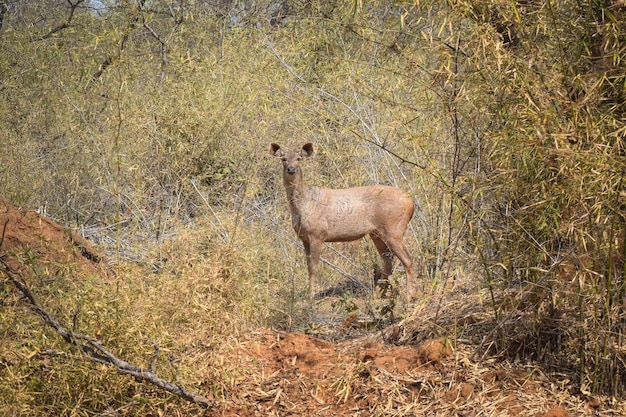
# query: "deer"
321,215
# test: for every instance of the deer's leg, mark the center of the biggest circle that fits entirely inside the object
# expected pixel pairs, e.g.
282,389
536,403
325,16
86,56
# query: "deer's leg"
312,249
397,246
386,255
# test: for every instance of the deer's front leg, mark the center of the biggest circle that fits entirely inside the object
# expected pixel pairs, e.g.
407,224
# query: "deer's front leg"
312,249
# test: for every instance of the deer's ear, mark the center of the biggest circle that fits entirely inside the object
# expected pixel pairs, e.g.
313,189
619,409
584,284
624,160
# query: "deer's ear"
307,150
275,150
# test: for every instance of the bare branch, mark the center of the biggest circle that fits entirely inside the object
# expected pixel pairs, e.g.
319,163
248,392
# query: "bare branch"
164,41
96,352
64,25
4,10
111,59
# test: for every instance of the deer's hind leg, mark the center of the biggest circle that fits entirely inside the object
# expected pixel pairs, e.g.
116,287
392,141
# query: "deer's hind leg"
386,254
397,246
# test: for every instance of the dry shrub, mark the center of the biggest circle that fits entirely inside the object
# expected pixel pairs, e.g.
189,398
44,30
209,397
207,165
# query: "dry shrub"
172,319
555,179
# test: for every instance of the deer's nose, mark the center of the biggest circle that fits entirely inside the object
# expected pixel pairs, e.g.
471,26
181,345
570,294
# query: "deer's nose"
291,170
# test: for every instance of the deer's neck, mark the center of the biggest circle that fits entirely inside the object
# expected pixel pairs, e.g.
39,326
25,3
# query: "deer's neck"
296,190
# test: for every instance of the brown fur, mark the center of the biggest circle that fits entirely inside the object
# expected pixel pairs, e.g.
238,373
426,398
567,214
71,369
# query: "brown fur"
321,215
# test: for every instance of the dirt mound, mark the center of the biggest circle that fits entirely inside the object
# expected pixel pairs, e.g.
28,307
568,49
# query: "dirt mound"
276,373
31,236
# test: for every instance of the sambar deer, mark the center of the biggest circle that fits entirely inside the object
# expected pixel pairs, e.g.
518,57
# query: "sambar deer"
321,215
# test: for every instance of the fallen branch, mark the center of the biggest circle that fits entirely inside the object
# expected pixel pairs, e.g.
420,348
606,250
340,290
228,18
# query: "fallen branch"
98,353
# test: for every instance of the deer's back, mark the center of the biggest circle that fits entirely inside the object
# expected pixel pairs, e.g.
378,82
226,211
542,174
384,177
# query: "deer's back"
351,213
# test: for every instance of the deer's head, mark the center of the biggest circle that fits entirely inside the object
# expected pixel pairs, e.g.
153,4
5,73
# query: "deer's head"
291,160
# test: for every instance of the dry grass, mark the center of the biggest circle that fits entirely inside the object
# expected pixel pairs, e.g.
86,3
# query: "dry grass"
205,324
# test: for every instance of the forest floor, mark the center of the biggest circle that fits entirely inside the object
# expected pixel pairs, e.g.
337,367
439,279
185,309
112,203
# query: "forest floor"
403,369
400,370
